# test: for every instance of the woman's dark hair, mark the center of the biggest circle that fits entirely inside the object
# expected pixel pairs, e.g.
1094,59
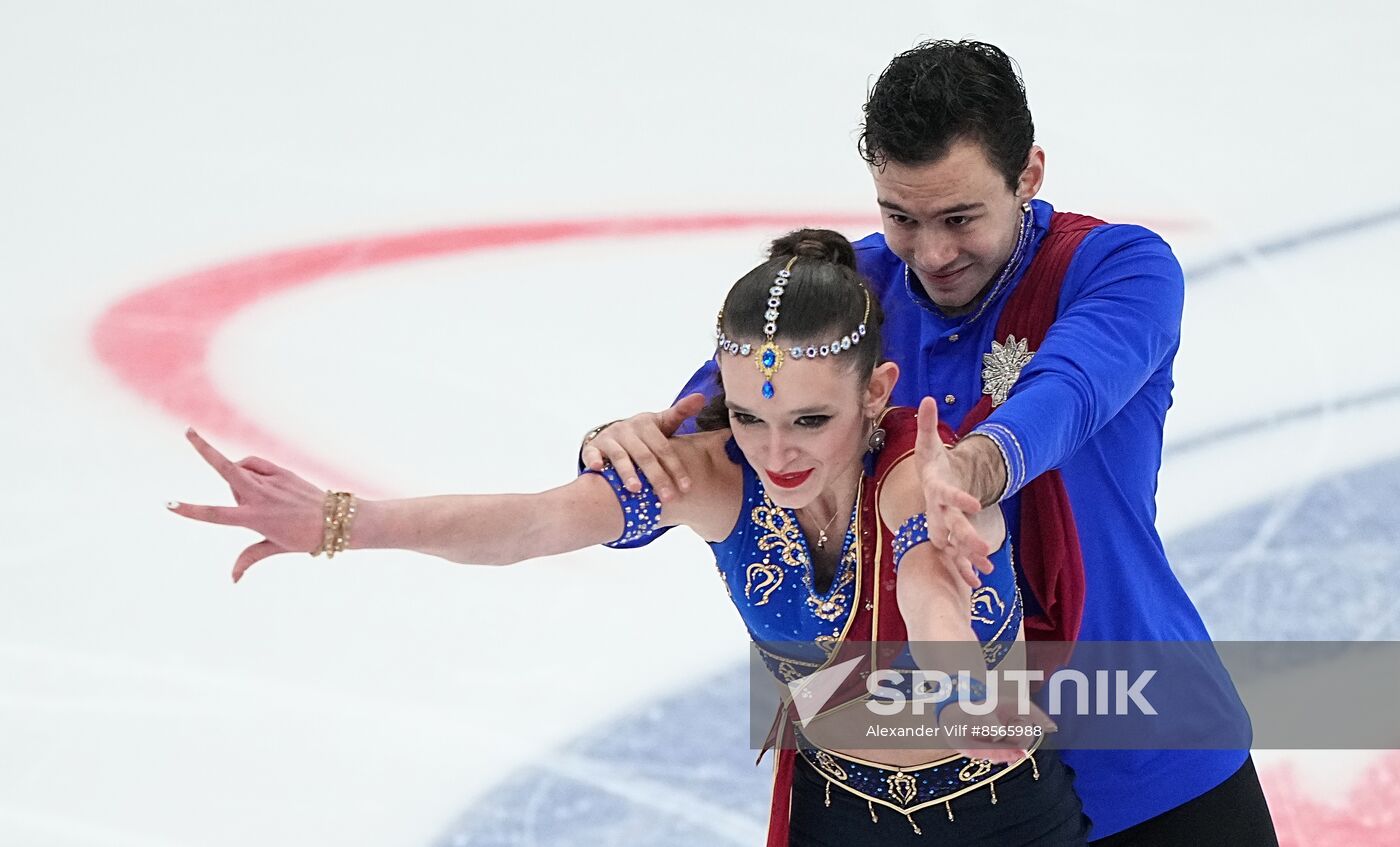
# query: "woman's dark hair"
824,299
941,92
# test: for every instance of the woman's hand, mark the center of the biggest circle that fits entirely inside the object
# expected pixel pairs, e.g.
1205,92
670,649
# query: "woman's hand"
286,509
948,506
642,440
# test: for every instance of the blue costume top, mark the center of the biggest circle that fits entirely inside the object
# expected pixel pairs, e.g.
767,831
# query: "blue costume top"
768,572
1090,402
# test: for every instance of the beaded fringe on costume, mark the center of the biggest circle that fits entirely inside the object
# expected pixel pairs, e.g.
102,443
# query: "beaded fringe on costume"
947,804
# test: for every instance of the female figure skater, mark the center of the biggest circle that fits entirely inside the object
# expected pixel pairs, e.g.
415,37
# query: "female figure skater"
799,484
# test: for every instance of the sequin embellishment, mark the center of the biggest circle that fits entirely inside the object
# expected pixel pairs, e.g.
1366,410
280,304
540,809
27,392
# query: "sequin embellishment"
901,787
641,512
1002,367
783,535
911,533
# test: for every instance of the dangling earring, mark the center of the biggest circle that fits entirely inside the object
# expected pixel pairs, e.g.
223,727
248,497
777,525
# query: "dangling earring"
1026,206
876,442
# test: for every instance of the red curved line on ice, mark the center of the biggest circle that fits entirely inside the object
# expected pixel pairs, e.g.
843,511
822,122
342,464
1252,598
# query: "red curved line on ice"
156,340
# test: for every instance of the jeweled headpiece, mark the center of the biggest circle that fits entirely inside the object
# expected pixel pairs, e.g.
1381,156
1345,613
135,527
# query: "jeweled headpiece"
769,356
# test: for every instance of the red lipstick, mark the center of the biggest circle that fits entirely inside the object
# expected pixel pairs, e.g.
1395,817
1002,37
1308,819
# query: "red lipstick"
788,480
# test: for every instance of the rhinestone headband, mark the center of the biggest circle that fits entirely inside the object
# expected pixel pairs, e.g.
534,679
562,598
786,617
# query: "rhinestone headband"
769,357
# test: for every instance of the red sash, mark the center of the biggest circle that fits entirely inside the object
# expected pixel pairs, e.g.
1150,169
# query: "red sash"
1050,557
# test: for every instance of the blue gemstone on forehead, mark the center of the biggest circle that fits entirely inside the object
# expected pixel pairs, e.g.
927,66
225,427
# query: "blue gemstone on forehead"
767,390
770,358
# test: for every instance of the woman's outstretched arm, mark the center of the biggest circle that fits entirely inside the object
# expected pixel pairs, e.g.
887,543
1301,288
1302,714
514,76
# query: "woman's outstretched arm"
490,529
493,529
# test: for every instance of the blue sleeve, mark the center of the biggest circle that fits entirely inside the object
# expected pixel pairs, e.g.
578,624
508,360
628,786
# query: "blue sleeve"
640,512
705,381
1122,321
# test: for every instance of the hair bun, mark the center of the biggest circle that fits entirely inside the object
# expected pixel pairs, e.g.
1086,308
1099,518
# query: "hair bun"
821,244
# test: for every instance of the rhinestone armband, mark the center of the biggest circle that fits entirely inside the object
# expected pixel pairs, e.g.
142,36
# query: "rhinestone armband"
641,511
911,533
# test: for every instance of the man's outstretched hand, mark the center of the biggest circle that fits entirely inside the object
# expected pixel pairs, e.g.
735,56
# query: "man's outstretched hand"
948,505
641,441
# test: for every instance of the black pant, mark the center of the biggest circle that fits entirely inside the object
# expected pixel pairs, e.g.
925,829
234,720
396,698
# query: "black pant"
1233,813
1044,813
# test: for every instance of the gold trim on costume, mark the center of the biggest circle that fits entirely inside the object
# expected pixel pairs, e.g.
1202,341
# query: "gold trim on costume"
879,551
974,769
829,765
834,606
763,577
827,643
902,787
1029,757
781,532
988,598
995,650
855,598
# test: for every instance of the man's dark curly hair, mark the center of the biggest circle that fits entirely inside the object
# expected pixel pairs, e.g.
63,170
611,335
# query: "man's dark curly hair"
941,92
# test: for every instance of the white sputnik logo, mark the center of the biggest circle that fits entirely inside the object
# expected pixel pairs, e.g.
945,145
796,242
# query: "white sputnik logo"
810,693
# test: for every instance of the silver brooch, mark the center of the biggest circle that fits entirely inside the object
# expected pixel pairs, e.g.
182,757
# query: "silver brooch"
1002,367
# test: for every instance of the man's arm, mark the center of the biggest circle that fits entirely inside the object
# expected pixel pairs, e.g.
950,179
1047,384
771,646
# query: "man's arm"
980,467
1122,324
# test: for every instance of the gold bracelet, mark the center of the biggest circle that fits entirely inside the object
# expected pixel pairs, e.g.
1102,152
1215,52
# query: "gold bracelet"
327,525
345,510
338,513
593,433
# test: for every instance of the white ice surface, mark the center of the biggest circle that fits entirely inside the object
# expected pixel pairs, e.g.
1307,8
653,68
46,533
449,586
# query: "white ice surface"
144,700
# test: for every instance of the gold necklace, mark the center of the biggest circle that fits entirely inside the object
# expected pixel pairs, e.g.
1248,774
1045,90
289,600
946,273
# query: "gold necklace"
821,533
